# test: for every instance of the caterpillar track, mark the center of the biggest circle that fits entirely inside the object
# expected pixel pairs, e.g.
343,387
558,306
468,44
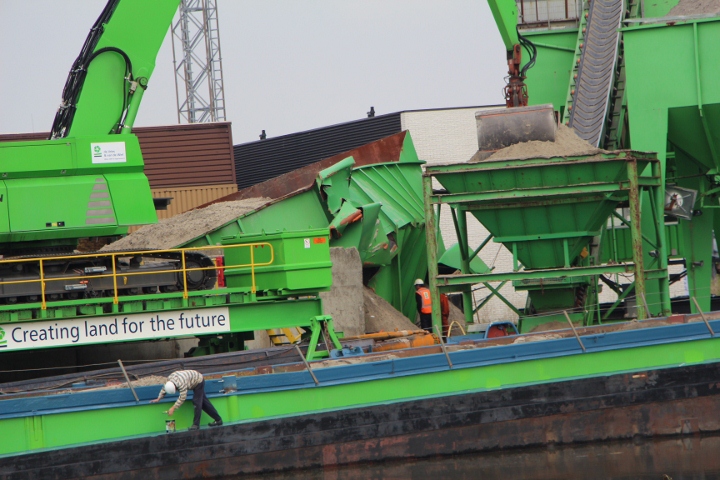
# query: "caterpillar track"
89,275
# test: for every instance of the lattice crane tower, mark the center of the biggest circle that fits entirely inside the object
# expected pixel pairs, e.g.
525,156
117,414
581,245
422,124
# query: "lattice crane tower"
198,63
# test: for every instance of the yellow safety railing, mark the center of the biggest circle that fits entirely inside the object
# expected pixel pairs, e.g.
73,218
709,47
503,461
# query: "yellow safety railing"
114,256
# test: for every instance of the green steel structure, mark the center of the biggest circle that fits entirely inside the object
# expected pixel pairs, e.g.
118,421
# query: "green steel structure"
284,395
672,115
272,282
621,76
547,213
375,208
678,116
88,180
276,262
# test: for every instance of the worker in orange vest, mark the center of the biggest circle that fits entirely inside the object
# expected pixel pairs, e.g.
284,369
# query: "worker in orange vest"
424,305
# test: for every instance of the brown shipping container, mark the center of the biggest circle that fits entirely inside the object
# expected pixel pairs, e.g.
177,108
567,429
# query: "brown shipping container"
187,198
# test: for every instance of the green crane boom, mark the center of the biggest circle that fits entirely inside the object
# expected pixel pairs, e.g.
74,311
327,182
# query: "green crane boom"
505,14
86,180
107,80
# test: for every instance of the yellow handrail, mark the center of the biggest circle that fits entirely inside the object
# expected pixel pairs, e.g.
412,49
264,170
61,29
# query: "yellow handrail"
42,286
114,275
116,300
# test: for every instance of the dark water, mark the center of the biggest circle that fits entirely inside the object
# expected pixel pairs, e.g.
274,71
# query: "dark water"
696,458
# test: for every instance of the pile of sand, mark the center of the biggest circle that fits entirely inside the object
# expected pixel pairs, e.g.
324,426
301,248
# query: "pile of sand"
381,316
566,144
457,320
695,7
187,226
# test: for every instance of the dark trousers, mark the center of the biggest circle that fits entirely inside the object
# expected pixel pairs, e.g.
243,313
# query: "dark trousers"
426,322
201,402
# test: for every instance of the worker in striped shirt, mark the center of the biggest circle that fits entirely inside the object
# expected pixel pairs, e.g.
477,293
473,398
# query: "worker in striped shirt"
182,381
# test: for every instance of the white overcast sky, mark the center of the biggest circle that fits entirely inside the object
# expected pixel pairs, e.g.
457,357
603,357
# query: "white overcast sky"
288,65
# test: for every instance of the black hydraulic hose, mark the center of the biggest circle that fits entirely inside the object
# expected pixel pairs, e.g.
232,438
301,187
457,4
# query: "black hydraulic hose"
532,51
69,109
76,77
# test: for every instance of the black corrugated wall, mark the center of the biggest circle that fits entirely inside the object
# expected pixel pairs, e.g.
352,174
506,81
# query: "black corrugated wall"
258,161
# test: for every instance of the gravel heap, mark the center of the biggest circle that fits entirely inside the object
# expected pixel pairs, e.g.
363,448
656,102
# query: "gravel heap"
177,230
695,7
381,316
566,144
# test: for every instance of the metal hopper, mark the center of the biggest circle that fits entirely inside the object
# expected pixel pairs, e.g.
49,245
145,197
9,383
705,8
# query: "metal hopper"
547,211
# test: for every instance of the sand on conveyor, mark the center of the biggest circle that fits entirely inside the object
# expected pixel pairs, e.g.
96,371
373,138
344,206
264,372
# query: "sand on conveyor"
566,144
381,316
182,228
695,7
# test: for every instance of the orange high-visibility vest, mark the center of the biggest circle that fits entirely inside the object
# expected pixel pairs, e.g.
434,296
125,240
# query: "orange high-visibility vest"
426,305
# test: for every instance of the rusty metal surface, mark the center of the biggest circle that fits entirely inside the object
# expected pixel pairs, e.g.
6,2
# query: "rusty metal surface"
687,457
385,150
670,402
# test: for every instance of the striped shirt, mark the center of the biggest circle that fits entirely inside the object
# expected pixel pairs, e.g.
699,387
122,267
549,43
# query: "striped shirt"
184,380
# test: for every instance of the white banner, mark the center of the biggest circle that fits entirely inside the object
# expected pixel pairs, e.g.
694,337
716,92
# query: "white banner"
119,328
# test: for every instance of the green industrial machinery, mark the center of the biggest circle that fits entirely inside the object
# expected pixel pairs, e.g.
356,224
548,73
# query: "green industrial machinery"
87,180
547,212
376,208
621,77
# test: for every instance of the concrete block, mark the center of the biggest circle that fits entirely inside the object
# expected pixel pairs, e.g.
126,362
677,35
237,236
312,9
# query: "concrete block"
344,302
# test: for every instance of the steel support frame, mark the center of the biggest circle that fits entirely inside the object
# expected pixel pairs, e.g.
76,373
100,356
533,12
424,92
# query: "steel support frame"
630,189
198,63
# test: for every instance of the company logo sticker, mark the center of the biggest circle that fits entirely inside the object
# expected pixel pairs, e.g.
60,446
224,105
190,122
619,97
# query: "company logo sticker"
108,152
3,342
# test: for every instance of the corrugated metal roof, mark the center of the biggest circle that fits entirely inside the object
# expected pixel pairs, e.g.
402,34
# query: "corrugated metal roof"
262,160
178,155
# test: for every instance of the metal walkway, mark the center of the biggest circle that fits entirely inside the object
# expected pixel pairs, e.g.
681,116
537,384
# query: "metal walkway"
596,70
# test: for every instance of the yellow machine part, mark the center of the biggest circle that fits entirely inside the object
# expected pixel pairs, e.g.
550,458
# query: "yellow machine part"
285,336
420,340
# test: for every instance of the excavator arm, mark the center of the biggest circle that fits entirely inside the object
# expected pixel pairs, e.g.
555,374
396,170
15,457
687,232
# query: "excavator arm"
506,17
107,80
87,180
517,123
505,13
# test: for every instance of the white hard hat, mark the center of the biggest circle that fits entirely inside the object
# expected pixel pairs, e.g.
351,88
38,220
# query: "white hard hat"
170,388
419,281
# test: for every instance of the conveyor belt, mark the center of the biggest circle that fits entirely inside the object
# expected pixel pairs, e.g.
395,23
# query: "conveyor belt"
597,68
